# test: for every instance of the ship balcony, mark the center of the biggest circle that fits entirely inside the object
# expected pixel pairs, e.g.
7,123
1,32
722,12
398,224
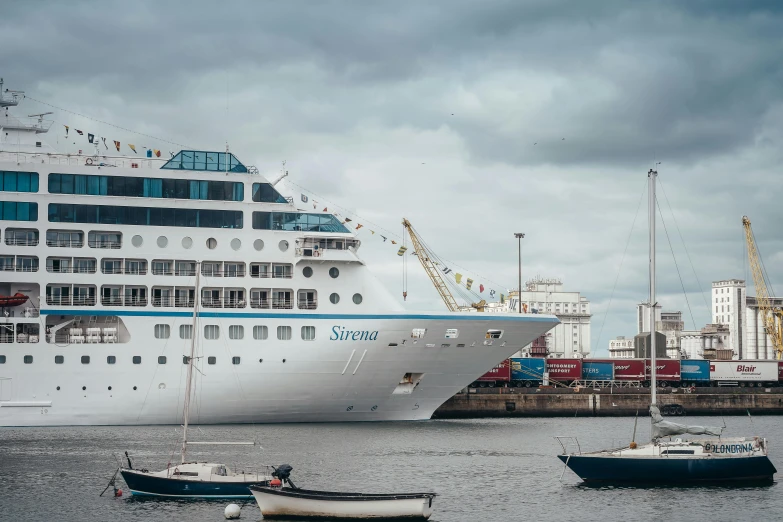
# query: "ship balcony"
307,304
260,303
70,269
282,304
67,300
332,248
223,273
128,300
105,243
65,243
222,302
184,302
21,241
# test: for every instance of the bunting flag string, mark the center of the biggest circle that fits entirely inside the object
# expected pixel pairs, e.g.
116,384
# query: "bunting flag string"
117,145
104,143
402,250
133,148
66,130
90,137
79,132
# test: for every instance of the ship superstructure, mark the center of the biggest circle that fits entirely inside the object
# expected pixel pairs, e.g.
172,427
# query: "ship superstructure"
292,325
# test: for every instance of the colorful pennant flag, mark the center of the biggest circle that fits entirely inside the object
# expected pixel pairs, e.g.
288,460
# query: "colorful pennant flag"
481,289
156,152
414,253
324,210
458,277
492,293
502,298
117,145
402,250
348,220
133,148
372,232
304,198
469,283
90,137
393,242
384,238
66,130
358,226
80,132
104,143
446,270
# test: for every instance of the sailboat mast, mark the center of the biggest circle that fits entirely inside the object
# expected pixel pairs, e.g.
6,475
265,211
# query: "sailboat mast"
652,175
188,386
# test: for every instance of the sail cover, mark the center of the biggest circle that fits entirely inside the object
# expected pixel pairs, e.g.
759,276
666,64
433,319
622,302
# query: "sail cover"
664,428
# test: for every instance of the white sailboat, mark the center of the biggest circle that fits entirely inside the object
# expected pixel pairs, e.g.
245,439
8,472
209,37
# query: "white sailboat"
193,479
674,460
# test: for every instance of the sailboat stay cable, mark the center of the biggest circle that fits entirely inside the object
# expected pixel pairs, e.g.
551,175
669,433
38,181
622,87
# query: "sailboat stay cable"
188,384
622,259
676,266
685,246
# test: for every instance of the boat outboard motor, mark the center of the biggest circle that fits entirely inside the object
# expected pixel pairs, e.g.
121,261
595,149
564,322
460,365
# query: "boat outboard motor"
283,472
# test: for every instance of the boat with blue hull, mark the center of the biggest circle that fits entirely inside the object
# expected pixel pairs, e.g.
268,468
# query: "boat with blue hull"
666,459
193,480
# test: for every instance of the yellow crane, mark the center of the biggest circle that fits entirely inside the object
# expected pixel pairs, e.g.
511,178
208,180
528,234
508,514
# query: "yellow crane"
773,317
427,260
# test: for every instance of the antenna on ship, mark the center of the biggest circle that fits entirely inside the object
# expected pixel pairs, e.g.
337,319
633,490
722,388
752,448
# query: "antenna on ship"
284,174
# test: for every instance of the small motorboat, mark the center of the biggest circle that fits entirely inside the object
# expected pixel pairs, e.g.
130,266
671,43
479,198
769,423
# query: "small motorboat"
17,299
277,502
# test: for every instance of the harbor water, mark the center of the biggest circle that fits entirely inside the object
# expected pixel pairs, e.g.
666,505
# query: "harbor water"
482,469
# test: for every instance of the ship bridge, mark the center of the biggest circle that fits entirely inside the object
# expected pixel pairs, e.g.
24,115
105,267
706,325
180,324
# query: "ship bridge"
201,160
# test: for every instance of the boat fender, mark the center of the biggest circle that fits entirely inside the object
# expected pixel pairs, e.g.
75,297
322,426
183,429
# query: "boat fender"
276,483
632,445
89,161
117,492
232,512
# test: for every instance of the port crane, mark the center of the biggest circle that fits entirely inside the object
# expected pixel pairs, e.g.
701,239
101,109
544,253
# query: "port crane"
773,316
430,265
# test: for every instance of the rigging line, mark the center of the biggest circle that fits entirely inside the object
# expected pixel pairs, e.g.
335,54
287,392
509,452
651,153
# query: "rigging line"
622,260
682,284
109,124
701,288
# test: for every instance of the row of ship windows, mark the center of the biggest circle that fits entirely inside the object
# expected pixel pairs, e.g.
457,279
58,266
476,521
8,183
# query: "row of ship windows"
112,359
131,186
184,297
236,332
171,217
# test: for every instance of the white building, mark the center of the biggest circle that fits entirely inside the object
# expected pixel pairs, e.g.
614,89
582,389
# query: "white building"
691,344
668,323
571,338
643,317
728,306
758,344
621,348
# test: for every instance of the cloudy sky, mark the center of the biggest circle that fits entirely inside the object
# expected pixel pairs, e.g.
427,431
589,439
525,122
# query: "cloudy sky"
474,119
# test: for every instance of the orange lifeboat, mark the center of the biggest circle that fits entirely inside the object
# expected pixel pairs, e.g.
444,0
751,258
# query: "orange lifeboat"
13,300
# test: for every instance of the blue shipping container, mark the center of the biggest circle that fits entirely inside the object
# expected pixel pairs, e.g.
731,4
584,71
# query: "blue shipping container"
695,370
597,371
527,369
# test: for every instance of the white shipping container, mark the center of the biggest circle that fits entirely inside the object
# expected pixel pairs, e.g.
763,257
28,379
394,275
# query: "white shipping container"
744,371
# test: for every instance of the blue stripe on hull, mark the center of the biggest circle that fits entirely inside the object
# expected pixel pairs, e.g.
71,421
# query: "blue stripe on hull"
145,485
662,470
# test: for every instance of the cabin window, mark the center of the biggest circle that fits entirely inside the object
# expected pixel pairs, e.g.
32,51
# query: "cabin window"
85,359
494,334
260,332
162,331
307,271
334,272
284,333
308,333
2,359
110,359
59,359
186,331
235,360
136,359
211,331
211,360
236,332
161,359
334,298
357,298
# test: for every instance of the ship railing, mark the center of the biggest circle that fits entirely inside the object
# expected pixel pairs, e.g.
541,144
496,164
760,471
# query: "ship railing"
187,272
308,304
182,302
82,159
135,271
260,303
133,300
31,268
71,269
101,243
570,445
223,273
222,302
111,269
27,338
7,268
21,241
282,304
6,338
282,275
65,243
163,301
259,274
111,300
162,271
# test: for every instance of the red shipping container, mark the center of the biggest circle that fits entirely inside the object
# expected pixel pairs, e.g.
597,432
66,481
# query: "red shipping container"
501,372
564,369
628,369
666,369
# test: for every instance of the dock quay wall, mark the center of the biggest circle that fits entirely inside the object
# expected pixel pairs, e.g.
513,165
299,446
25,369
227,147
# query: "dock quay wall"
567,402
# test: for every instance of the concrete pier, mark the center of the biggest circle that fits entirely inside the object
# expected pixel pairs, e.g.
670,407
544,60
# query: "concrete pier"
511,402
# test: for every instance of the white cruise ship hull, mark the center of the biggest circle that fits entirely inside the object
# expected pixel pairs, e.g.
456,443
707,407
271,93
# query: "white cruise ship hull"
325,380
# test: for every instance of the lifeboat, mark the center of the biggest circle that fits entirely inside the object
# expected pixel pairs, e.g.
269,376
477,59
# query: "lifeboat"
13,300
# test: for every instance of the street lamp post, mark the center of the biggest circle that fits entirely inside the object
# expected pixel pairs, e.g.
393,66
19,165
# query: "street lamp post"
519,237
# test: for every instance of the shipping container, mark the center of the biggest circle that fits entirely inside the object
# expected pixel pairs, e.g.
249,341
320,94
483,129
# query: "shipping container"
780,373
695,371
500,373
564,370
665,370
597,371
628,369
527,369
744,371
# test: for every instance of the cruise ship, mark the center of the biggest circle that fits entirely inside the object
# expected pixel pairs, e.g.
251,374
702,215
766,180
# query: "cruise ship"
111,266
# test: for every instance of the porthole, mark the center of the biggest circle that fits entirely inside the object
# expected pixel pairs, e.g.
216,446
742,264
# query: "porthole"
334,272
84,388
58,388
334,298
163,241
357,298
109,388
212,243
283,245
187,242
258,244
236,244
283,360
307,271
134,388
260,360
137,241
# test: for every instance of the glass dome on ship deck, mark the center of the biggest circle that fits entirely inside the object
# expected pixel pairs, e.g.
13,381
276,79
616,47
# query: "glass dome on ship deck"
204,160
